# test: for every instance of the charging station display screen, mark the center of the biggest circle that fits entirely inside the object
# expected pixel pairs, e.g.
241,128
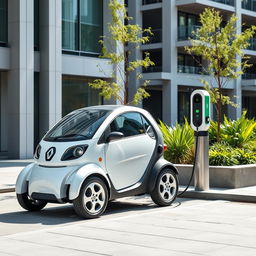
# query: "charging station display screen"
197,110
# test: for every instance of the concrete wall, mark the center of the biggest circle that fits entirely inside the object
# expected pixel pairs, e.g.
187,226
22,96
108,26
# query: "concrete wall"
223,176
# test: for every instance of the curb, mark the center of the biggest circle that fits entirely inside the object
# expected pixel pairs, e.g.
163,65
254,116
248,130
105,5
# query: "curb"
211,195
7,190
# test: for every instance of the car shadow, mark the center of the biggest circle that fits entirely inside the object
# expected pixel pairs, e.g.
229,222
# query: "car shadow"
62,214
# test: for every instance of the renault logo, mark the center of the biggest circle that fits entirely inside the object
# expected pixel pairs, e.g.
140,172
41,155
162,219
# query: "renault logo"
50,153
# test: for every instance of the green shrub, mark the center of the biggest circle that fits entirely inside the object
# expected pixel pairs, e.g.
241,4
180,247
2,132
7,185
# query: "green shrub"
238,133
180,143
245,156
222,155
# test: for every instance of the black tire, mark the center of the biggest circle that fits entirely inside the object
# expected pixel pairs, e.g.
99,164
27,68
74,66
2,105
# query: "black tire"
29,204
166,188
93,198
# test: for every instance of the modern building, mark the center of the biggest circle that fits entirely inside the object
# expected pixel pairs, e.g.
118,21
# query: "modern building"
176,74
48,53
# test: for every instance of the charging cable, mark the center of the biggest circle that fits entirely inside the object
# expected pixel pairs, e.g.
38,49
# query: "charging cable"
194,164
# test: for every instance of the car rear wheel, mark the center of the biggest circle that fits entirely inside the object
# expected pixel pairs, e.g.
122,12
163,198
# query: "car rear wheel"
93,198
29,204
166,188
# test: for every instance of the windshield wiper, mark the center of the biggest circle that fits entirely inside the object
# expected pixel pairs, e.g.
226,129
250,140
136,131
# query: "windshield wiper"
69,136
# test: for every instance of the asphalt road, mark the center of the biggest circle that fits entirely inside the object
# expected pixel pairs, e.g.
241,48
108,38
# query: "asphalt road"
131,226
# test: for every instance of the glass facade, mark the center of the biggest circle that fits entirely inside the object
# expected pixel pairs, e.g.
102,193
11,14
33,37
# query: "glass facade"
82,25
36,25
248,104
155,24
249,5
187,23
3,22
77,94
189,64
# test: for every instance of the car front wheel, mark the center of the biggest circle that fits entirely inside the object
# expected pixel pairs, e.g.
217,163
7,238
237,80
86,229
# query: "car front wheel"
93,198
166,188
29,204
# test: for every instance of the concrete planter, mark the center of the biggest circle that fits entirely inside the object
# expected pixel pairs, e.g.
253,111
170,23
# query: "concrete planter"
223,176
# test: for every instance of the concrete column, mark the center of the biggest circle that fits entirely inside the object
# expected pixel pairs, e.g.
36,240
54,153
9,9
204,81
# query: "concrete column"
50,80
21,79
170,102
236,112
113,46
4,112
134,12
170,88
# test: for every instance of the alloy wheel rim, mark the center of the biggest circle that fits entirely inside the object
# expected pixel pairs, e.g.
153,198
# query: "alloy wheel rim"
94,198
167,187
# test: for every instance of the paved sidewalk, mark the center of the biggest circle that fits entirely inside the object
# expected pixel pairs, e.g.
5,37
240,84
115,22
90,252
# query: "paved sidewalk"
188,227
9,170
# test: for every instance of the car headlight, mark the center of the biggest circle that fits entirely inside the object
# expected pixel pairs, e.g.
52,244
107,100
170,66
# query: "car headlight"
74,152
38,151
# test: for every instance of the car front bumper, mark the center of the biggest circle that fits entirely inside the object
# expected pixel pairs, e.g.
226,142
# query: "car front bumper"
49,183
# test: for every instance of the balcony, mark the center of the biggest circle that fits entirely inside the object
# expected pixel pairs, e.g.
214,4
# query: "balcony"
252,45
153,69
228,2
144,2
156,37
190,70
249,5
249,76
186,32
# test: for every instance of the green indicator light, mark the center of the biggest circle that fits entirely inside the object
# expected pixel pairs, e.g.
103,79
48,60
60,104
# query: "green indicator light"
197,110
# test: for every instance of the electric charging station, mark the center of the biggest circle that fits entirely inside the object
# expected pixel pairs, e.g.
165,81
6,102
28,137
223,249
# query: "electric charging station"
200,123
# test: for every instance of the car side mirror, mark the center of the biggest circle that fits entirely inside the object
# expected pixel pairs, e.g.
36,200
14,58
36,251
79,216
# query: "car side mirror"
115,136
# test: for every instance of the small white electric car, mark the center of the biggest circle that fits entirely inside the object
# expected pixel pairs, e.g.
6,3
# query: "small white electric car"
97,154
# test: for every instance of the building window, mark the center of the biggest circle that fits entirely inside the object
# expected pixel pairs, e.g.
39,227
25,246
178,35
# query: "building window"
190,64
3,22
248,104
36,25
77,94
155,25
82,26
156,57
187,23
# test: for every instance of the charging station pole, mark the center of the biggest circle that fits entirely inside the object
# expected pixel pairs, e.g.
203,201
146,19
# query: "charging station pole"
201,179
200,122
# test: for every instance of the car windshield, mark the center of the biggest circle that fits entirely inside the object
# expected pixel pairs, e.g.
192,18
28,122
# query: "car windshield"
79,125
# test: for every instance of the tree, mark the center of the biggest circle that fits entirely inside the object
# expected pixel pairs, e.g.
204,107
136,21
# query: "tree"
222,47
123,39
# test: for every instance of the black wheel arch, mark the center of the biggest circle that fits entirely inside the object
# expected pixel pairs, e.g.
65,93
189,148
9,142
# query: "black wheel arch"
160,165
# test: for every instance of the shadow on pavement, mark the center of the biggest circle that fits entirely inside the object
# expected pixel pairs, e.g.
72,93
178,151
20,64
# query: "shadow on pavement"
66,214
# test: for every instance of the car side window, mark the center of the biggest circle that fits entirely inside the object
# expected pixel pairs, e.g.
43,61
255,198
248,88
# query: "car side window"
129,124
148,128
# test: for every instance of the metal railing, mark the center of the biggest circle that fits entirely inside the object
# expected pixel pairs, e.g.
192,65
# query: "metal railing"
252,45
249,76
151,1
186,32
249,5
228,2
152,69
156,37
190,69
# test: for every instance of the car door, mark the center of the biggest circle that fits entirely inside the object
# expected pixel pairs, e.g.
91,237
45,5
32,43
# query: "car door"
128,157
